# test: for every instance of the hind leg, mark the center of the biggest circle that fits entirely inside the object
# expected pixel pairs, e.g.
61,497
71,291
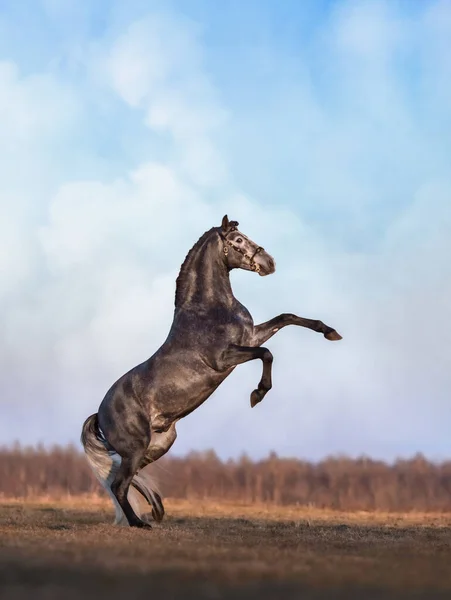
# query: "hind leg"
106,482
152,498
160,443
121,484
134,494
126,428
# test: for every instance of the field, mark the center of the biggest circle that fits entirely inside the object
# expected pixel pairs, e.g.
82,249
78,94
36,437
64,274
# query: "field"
69,549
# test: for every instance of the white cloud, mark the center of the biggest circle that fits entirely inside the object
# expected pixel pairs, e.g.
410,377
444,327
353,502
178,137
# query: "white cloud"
156,65
32,109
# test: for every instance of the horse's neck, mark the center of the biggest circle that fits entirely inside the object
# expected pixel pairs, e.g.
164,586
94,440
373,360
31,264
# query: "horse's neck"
204,279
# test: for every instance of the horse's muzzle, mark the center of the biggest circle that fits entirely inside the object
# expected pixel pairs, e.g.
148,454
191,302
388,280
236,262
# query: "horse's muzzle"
267,265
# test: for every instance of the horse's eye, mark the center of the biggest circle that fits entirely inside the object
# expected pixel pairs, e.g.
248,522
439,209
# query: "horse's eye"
239,240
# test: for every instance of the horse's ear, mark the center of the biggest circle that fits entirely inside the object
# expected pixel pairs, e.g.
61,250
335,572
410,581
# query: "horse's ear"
225,223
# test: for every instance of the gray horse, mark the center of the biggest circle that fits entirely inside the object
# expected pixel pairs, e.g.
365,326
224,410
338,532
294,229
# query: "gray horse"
211,333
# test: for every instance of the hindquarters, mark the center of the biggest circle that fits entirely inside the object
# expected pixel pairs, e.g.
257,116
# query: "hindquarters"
107,465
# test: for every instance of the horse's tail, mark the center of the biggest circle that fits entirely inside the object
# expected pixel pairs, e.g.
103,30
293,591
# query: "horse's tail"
98,452
105,462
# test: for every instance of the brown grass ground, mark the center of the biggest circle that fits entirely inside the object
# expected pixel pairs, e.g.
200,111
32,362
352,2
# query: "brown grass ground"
68,549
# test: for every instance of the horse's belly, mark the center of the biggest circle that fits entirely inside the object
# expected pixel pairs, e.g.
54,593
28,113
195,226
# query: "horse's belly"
178,398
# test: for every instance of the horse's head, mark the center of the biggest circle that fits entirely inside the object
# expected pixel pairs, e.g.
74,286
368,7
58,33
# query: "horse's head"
241,252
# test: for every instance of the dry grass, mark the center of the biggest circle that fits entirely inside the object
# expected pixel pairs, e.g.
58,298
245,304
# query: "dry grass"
68,549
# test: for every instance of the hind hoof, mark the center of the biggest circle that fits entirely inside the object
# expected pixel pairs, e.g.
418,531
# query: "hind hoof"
333,336
147,518
158,508
141,525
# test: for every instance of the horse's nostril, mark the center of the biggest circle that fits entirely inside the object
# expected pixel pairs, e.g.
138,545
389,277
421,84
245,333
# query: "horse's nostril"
270,263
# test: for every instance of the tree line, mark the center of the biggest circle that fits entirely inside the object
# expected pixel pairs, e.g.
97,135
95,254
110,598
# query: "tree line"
337,482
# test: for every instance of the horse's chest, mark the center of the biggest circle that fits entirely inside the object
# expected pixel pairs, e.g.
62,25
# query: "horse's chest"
240,328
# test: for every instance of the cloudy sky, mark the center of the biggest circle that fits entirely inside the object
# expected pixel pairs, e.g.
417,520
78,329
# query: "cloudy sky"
323,127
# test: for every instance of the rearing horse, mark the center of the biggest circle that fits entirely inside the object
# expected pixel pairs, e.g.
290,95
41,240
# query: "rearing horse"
211,333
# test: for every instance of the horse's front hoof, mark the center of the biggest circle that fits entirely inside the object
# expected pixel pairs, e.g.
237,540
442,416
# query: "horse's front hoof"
256,397
333,336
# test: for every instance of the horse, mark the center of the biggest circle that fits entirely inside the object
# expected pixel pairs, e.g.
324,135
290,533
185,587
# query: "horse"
211,334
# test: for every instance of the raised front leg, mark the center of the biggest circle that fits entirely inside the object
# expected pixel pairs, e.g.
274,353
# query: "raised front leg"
263,332
237,355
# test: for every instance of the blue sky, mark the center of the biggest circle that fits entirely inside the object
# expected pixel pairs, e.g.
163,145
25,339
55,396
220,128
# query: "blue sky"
128,129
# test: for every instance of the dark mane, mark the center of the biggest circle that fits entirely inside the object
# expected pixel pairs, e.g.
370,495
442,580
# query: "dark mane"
182,276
